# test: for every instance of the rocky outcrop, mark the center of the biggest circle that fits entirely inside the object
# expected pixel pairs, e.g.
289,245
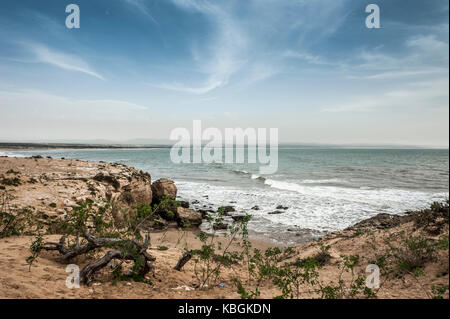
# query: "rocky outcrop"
51,187
187,217
163,187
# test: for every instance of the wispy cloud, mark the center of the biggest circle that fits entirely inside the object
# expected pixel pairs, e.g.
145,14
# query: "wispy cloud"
43,54
224,55
240,45
44,105
141,6
418,95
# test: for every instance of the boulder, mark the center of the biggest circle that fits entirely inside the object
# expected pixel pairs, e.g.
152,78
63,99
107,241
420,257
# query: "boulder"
135,193
163,187
187,217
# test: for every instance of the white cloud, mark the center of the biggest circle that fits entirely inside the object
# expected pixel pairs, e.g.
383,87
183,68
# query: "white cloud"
43,54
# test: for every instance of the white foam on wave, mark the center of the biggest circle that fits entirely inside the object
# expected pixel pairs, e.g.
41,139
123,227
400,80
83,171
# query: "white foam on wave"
360,195
11,154
323,181
320,208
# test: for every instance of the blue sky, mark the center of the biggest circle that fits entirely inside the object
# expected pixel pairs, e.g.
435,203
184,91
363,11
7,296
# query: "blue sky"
140,68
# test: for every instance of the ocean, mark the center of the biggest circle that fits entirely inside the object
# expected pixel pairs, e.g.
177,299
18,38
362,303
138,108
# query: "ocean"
324,189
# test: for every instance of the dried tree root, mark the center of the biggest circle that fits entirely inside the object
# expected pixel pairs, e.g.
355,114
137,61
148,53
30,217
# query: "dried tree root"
140,256
183,260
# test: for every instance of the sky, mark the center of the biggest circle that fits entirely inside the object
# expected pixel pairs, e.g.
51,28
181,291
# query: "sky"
137,69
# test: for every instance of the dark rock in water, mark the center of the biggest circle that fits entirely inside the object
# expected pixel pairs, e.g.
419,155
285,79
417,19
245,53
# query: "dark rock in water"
206,196
255,207
227,209
205,212
36,156
49,157
276,212
184,204
220,226
238,218
233,202
194,202
282,207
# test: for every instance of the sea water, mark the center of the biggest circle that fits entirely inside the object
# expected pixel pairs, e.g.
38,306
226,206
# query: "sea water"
325,189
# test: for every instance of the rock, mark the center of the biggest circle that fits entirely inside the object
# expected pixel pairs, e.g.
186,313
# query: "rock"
184,204
238,218
220,226
100,177
136,193
163,187
168,210
205,212
282,207
187,217
159,223
255,207
381,221
227,209
276,212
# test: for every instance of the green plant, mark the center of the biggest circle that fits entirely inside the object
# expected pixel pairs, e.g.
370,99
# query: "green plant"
35,249
438,292
412,253
91,227
213,255
15,181
443,242
14,221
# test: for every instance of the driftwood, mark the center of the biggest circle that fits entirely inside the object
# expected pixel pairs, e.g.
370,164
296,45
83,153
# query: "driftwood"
122,250
183,260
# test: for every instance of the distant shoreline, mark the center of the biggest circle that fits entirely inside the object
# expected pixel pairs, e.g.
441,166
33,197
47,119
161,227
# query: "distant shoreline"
80,146
43,146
